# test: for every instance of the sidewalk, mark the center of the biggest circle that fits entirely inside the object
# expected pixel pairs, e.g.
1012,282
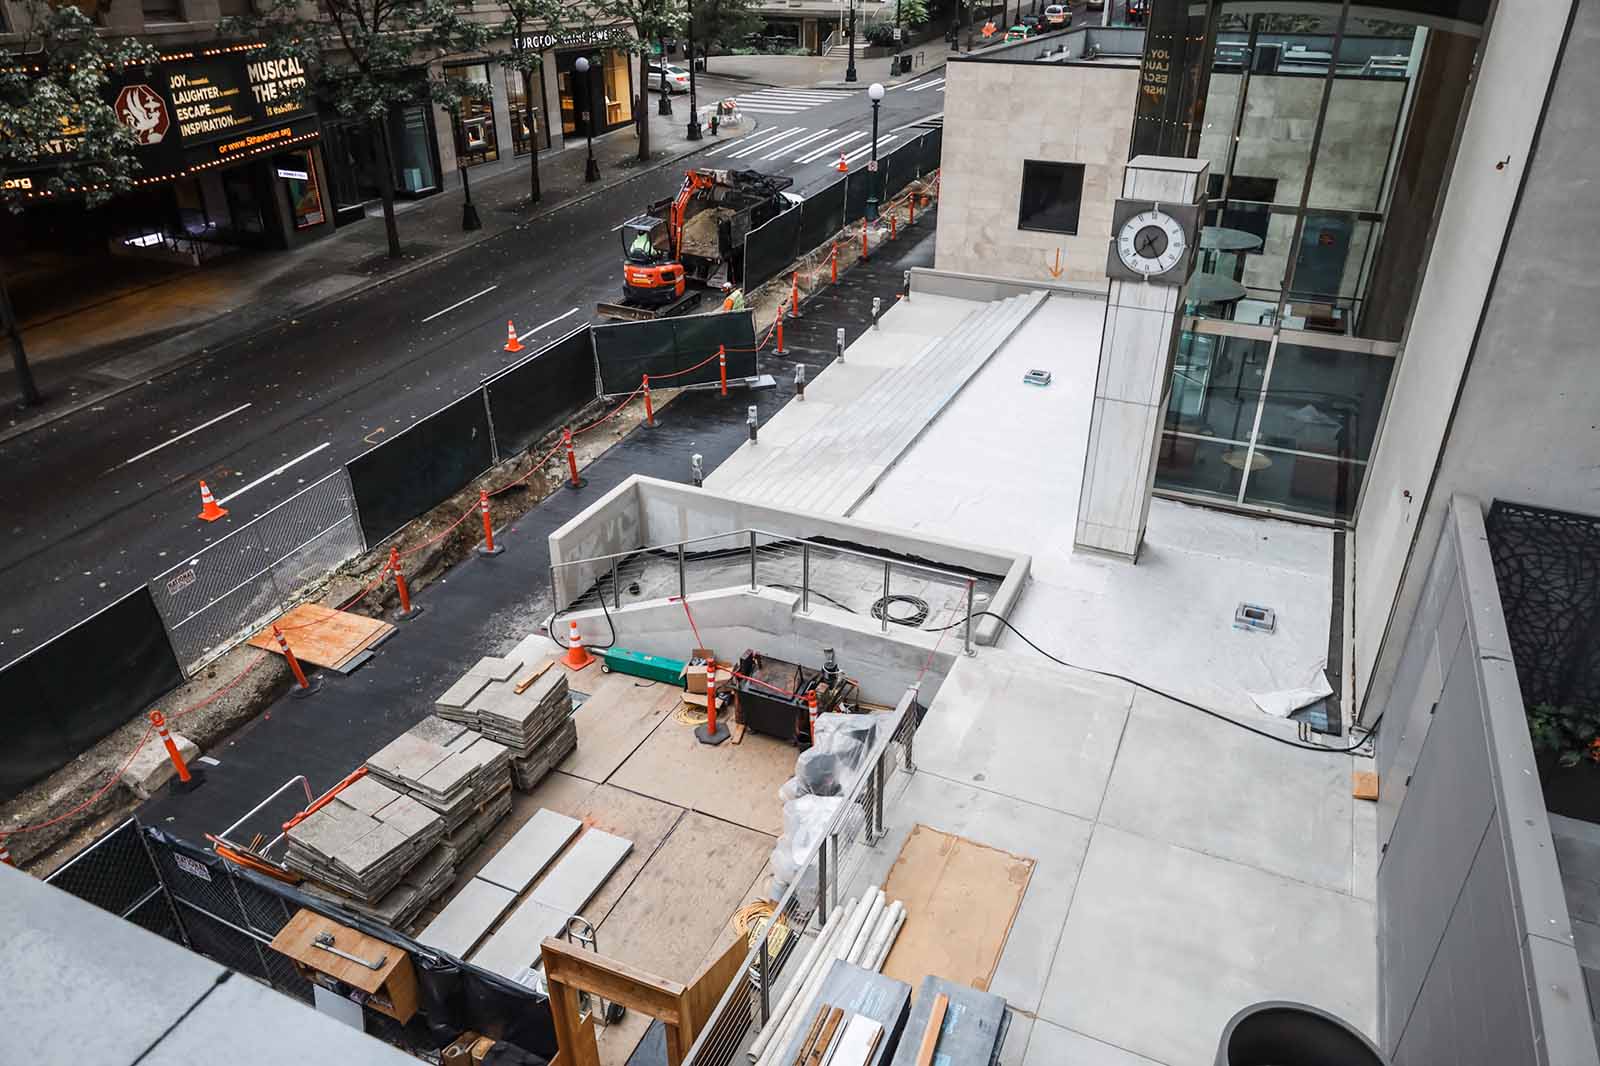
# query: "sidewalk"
95,352
819,72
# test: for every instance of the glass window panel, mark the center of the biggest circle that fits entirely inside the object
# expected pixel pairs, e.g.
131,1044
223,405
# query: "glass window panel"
1216,382
1280,117
1052,194
1357,140
1307,484
618,86
1205,467
1330,267
1324,401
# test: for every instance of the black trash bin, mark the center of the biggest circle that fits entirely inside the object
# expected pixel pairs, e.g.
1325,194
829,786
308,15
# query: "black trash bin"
1278,1033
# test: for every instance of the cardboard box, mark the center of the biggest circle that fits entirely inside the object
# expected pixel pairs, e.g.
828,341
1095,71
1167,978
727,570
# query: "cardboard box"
459,1053
694,678
481,1049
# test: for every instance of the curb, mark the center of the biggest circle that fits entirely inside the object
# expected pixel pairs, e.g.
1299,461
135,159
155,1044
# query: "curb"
86,402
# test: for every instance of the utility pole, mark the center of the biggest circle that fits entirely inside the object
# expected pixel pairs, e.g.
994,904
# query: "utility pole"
19,355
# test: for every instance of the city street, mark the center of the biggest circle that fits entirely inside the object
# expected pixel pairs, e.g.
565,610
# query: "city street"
101,501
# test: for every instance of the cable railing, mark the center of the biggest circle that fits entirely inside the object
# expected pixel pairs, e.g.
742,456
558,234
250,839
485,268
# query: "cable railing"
816,890
877,585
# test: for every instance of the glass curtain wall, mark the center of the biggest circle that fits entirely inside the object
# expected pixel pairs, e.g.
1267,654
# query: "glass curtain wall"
1290,322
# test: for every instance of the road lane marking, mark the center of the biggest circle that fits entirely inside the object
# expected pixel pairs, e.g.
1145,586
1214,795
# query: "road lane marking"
457,304
552,322
764,140
786,135
185,433
799,144
825,149
918,122
925,86
263,479
865,148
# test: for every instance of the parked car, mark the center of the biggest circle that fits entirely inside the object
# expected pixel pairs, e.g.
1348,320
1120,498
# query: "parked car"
669,78
1137,10
1095,5
1020,32
1035,23
1056,14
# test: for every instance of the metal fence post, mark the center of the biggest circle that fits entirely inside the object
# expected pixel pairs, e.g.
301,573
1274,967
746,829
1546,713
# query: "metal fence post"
752,560
764,970
683,584
967,629
885,612
616,589
830,846
805,578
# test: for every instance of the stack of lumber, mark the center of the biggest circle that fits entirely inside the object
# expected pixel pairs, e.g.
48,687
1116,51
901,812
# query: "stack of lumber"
363,842
952,1023
525,706
446,766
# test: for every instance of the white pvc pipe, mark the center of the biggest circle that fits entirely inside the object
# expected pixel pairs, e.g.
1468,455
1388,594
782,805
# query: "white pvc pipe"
837,931
803,1003
868,927
880,934
829,934
888,941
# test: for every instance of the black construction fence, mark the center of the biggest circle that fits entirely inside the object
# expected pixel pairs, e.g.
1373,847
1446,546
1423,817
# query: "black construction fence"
1547,566
769,249
626,351
194,898
530,398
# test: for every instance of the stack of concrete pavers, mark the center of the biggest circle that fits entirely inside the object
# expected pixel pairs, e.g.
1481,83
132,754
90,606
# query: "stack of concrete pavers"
535,724
399,907
363,842
450,768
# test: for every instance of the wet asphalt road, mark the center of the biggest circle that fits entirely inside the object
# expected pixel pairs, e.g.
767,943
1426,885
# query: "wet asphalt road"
89,516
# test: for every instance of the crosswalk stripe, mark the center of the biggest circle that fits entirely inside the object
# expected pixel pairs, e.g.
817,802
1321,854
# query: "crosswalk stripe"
851,157
750,149
724,147
766,110
835,146
798,144
934,84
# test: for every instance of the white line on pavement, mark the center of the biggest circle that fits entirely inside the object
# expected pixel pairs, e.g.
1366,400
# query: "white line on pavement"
554,320
263,479
457,304
918,122
185,433
865,148
764,139
835,145
925,86
799,144
758,147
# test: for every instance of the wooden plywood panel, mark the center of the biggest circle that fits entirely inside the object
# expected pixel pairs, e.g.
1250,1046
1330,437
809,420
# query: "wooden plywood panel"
961,898
612,722
735,782
322,636
683,898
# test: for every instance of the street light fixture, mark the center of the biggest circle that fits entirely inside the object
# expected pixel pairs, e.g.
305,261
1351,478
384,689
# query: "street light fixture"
664,105
850,68
875,182
591,169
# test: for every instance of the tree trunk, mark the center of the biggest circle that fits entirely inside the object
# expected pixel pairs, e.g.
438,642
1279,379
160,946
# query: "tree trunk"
27,391
386,184
534,193
644,112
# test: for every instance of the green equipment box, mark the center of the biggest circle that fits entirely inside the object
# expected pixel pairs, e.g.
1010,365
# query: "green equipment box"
638,664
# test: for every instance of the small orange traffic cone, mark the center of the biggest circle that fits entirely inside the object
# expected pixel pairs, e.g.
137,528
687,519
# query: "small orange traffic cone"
512,344
209,510
577,656
843,167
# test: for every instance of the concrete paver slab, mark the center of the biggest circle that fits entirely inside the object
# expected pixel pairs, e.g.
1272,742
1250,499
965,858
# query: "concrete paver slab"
367,795
472,912
526,854
463,691
1051,1045
581,871
496,668
514,947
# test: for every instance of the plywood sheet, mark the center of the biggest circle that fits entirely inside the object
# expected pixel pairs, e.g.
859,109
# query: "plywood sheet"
683,898
735,782
612,722
322,636
961,898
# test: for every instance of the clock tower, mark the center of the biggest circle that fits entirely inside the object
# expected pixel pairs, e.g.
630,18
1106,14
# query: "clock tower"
1154,235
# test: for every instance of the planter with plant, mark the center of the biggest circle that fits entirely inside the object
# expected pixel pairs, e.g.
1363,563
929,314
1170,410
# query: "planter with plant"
1566,745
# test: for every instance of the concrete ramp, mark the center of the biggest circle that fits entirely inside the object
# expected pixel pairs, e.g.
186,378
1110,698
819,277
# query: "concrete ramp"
833,465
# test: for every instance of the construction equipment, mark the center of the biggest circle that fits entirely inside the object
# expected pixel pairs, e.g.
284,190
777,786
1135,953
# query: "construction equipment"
694,240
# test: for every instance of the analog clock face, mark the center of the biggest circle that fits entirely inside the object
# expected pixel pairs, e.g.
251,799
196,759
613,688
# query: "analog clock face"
1151,243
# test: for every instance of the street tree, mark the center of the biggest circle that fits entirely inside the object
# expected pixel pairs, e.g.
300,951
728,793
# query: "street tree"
369,58
911,12
650,20
59,130
522,17
724,23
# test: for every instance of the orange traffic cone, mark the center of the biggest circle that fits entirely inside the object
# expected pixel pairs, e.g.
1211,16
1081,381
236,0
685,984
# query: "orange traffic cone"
577,656
512,344
209,510
843,167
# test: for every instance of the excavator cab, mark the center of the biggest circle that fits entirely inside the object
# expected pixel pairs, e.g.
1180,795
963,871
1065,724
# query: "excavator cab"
650,276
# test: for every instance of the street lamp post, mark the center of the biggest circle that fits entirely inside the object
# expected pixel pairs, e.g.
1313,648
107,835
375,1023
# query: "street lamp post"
850,68
591,169
469,212
875,182
693,132
664,105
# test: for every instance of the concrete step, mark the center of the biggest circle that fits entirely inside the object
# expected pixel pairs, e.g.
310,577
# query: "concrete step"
834,465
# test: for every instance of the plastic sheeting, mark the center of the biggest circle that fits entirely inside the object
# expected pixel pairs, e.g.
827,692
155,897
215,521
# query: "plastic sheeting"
769,249
68,693
821,217
532,397
626,351
421,467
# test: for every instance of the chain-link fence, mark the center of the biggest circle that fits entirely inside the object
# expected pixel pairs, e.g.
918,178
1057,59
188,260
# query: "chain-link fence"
116,873
239,583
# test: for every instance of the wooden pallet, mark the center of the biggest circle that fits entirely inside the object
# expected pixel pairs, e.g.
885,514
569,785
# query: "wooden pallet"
322,636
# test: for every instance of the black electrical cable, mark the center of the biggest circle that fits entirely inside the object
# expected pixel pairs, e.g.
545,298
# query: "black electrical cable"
550,628
1351,750
918,615
815,592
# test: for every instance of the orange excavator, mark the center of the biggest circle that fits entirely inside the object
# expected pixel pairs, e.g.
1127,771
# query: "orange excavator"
693,241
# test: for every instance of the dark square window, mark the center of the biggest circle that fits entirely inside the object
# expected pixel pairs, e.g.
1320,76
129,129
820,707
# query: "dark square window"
1051,196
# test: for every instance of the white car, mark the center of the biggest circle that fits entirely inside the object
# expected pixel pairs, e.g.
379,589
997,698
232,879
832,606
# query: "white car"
1056,15
671,78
